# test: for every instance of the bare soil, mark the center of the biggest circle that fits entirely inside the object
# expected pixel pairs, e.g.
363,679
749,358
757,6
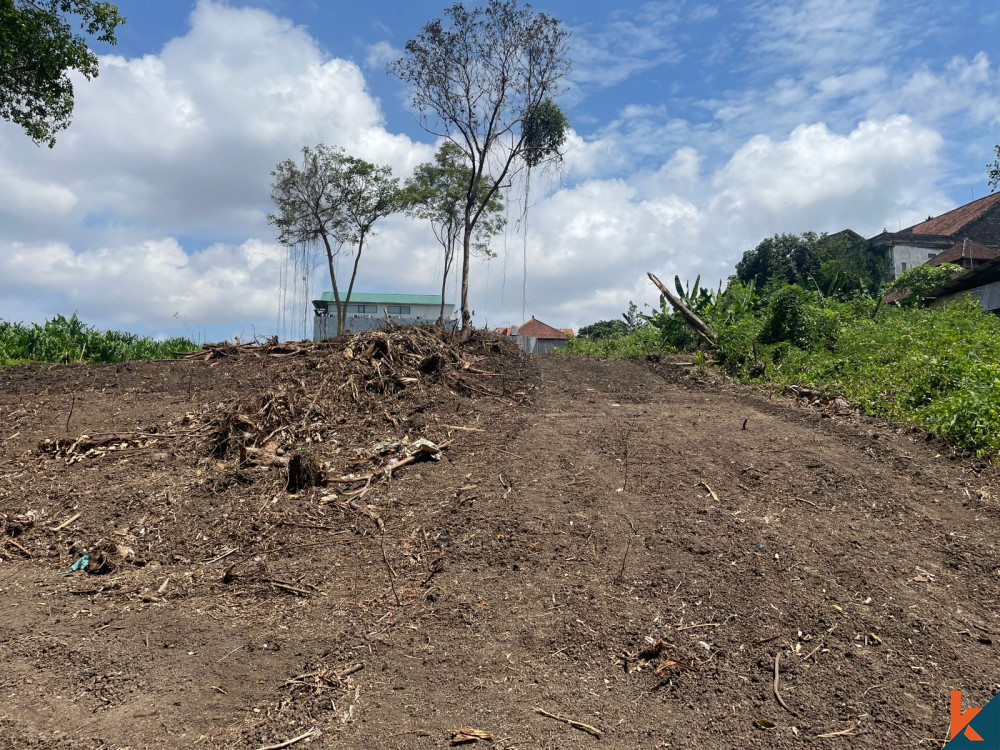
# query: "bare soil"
634,547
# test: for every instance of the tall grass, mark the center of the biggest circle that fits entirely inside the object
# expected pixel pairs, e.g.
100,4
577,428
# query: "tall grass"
67,340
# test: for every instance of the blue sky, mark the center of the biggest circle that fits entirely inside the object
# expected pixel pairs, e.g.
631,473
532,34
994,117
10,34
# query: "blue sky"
698,129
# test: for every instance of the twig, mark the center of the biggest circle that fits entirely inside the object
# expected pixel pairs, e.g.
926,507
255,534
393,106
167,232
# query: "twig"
67,522
593,731
385,559
849,732
464,429
777,672
288,587
70,415
15,545
621,572
701,625
710,491
809,502
314,732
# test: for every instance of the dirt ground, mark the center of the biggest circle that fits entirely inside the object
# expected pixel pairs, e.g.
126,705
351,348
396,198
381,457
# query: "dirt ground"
635,547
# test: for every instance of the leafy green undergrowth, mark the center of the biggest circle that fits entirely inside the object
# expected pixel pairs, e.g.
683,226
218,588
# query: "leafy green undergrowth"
937,368
64,340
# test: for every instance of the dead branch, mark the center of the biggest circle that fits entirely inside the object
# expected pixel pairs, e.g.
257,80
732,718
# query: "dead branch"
593,731
777,673
693,321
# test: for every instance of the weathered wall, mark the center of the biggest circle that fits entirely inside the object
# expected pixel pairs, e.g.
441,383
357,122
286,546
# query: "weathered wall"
325,326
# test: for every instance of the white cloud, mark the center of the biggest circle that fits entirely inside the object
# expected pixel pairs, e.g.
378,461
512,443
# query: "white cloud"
380,54
152,205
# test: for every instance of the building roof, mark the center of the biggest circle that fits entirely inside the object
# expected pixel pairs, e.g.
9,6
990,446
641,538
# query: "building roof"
965,249
567,331
956,220
374,298
539,330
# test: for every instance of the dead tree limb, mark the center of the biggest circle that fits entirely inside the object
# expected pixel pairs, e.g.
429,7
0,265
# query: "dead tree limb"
696,323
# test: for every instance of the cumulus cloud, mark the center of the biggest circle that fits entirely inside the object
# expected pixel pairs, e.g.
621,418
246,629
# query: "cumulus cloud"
150,212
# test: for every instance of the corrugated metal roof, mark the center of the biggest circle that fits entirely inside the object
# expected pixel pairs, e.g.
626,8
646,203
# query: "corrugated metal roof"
954,221
374,298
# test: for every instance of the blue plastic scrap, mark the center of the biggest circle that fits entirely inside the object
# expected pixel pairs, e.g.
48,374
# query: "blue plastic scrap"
80,564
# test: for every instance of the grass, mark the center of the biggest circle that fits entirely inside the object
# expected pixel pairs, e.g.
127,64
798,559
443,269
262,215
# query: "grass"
65,340
937,368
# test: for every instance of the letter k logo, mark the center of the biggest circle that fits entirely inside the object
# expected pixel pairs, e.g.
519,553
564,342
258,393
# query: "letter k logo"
960,720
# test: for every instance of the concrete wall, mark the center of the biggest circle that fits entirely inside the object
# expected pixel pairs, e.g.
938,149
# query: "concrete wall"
533,345
911,256
325,326
987,294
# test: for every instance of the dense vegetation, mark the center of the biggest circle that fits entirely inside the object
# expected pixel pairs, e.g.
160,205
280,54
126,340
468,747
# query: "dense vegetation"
70,340
938,368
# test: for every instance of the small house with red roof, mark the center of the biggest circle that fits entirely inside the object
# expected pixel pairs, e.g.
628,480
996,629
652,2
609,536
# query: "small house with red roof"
536,337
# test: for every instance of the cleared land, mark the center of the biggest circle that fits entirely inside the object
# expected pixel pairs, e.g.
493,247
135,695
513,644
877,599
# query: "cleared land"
625,545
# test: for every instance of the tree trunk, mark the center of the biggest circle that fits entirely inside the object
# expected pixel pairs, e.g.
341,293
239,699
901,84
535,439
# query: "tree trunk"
690,318
444,284
466,253
333,283
354,274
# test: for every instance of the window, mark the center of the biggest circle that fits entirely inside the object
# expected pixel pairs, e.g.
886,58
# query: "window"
398,309
931,255
904,265
362,308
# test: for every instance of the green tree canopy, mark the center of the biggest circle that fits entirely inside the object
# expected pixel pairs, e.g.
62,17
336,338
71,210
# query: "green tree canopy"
436,193
918,283
838,263
604,329
38,49
332,199
483,78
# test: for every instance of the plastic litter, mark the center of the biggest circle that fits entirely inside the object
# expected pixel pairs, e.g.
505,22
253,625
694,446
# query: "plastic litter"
80,564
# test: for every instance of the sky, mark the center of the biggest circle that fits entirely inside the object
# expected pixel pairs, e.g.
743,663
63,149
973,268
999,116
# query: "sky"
698,129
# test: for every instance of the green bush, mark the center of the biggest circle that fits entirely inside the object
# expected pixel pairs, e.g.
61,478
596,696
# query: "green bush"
65,340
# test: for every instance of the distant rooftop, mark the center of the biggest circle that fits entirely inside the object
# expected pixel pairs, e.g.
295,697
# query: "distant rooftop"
374,298
957,219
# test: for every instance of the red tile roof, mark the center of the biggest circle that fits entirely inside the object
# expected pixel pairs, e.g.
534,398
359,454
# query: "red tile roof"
539,330
965,249
954,221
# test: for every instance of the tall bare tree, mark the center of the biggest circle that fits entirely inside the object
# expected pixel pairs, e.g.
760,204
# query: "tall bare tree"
477,77
436,193
330,200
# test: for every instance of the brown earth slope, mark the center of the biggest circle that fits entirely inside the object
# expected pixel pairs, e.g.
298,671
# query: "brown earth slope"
613,543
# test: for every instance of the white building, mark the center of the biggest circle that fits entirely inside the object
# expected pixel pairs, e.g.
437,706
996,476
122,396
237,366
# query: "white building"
368,311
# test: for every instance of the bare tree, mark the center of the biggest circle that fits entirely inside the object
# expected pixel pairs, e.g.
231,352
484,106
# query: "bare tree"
477,78
330,200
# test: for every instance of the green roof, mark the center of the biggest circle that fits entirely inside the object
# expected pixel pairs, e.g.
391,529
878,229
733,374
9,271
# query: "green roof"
386,299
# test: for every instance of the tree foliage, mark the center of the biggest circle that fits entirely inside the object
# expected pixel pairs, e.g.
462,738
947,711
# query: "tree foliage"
332,199
604,329
38,49
436,193
835,264
920,282
484,79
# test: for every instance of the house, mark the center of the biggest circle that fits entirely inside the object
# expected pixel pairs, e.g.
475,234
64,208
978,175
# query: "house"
968,234
983,282
536,337
368,311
